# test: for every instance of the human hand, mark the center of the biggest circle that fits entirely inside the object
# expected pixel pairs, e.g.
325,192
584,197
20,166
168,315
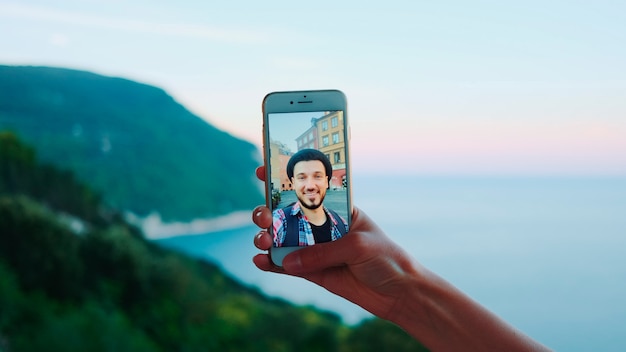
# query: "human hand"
365,266
370,270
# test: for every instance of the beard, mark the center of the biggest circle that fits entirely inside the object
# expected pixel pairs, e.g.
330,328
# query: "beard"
309,205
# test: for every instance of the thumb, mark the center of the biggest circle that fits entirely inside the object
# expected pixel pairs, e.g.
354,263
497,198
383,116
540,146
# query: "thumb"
326,255
316,258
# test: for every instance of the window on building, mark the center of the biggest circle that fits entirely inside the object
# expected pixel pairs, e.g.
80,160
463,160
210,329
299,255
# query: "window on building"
335,137
334,122
325,141
327,156
337,157
325,125
310,136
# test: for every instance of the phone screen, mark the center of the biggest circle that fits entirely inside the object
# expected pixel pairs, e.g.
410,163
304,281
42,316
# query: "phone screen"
308,177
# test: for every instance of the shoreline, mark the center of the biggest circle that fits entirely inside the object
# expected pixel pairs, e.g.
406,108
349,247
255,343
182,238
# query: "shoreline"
154,228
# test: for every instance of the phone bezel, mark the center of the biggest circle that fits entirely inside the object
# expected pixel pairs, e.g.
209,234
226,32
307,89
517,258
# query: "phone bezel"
303,101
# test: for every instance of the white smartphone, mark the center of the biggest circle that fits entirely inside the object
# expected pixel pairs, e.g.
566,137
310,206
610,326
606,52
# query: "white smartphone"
307,164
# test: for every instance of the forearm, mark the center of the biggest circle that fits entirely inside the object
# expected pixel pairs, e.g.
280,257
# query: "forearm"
444,319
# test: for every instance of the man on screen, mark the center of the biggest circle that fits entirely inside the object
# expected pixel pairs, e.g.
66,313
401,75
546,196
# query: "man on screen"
308,221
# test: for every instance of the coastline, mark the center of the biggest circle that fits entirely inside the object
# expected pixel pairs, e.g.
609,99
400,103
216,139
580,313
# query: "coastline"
154,228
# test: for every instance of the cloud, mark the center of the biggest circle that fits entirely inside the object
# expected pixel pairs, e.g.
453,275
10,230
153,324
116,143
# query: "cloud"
37,13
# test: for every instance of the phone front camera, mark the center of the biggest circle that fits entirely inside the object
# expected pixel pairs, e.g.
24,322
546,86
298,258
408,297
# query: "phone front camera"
291,102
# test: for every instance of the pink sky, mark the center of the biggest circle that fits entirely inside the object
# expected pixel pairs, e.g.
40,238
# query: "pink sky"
438,87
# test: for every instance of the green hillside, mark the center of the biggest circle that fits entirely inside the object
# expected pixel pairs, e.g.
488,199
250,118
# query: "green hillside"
132,142
75,277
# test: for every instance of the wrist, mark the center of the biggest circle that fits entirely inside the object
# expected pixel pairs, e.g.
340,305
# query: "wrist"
421,311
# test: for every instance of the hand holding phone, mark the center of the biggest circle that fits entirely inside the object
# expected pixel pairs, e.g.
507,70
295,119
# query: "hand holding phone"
305,143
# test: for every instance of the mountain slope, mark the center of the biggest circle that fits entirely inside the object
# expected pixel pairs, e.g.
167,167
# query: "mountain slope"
101,286
132,142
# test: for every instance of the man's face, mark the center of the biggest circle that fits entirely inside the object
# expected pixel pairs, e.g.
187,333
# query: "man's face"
310,182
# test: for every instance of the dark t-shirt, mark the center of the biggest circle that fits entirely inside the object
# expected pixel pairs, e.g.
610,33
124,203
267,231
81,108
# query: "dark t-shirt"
321,233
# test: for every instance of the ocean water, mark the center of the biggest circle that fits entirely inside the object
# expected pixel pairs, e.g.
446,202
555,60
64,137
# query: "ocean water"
546,254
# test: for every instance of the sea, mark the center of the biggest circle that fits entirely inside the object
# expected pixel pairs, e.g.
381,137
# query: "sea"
547,254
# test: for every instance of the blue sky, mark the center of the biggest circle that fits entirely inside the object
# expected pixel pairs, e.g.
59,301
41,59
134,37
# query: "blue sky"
287,127
487,87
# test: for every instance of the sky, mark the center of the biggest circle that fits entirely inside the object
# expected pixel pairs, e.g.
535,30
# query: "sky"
287,127
433,87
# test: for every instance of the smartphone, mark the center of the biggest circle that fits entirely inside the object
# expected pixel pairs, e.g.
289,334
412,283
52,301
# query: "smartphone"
307,163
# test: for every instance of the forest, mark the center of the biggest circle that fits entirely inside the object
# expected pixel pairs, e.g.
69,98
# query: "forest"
128,140
74,276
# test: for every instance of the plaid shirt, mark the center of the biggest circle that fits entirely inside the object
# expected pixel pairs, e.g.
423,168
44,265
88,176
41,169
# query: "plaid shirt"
305,233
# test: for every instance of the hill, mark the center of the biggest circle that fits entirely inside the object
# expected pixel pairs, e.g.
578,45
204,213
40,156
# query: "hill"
74,276
139,148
